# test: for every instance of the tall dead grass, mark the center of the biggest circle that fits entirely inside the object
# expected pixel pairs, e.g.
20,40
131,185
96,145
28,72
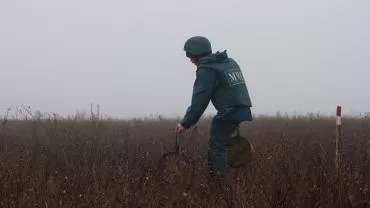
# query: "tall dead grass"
46,161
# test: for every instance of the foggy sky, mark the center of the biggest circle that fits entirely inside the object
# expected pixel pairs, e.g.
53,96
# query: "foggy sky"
127,56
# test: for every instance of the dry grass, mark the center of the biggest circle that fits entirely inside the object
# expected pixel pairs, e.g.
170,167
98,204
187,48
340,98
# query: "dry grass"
75,163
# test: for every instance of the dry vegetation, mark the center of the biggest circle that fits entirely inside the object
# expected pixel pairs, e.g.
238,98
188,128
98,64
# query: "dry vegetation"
94,163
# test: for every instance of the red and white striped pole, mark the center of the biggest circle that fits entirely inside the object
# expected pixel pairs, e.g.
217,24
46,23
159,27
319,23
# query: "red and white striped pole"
338,138
339,115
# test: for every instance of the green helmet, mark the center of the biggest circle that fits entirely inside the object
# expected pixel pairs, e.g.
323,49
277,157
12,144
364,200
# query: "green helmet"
198,45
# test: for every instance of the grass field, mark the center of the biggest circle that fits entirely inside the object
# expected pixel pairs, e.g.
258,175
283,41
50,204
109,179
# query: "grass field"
112,163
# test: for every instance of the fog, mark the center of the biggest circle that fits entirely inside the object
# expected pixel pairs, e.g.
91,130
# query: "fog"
127,56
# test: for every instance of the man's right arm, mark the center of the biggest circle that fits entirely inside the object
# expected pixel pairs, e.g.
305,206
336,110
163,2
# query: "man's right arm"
201,96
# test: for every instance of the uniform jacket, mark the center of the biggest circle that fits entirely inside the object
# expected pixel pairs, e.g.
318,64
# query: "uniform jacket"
219,80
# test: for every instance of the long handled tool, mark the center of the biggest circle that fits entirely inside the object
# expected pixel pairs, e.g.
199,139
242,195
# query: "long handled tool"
175,169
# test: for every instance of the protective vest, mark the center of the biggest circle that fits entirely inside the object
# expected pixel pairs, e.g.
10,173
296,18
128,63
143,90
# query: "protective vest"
230,89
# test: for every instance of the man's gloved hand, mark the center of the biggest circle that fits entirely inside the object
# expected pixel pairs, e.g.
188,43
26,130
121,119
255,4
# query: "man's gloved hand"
179,128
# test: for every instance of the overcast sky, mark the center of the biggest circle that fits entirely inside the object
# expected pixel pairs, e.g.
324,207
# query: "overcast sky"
127,56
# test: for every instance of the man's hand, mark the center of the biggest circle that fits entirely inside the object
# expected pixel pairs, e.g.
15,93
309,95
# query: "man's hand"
180,128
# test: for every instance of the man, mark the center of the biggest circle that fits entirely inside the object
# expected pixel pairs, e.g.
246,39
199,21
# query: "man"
220,80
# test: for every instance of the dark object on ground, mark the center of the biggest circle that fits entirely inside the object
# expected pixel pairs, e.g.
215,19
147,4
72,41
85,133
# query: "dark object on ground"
239,151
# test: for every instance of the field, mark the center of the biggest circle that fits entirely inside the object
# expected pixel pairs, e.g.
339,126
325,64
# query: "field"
112,163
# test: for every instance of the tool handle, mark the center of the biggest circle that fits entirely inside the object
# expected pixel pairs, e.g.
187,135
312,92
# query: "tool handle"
177,146
238,130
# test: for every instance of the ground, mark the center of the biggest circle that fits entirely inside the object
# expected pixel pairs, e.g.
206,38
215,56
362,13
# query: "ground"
113,163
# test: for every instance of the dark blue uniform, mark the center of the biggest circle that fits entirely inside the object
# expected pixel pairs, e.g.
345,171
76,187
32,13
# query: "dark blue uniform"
219,80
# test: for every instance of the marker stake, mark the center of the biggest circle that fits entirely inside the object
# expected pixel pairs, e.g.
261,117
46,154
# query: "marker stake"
338,138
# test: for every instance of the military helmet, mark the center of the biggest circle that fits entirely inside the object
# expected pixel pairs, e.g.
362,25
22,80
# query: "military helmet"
197,45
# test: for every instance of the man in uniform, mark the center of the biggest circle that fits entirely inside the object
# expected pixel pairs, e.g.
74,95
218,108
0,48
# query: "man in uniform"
219,80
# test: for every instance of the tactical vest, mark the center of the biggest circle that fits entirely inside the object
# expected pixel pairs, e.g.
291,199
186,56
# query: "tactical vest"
230,89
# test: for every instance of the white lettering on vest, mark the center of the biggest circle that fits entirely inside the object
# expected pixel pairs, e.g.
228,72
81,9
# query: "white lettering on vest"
234,77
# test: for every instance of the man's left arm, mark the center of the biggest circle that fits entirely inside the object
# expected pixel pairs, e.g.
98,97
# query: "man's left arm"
201,97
